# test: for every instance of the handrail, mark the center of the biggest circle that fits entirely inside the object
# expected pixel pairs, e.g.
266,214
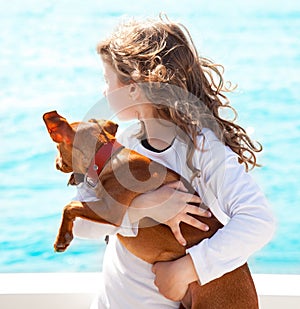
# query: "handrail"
76,290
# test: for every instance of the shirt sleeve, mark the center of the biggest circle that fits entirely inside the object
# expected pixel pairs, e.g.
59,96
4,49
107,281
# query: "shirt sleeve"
92,230
224,185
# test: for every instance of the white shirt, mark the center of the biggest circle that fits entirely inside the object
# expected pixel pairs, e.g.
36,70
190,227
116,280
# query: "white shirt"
229,192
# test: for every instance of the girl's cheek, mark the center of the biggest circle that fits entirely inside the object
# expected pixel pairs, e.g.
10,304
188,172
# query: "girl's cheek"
115,102
121,109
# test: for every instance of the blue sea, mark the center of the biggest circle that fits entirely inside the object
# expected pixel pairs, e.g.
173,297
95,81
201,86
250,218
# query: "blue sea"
48,62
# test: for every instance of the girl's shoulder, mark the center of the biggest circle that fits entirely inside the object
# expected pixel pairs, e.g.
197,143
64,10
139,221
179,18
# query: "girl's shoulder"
211,151
207,140
208,136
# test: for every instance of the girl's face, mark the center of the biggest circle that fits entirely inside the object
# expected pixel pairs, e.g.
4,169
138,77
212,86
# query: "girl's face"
118,95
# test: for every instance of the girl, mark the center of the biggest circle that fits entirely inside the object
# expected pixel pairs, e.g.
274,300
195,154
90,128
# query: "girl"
154,74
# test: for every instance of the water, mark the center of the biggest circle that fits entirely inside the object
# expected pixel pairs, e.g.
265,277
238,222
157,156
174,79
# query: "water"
48,61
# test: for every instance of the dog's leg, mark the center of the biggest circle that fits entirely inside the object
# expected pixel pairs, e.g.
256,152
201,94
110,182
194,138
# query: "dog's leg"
70,212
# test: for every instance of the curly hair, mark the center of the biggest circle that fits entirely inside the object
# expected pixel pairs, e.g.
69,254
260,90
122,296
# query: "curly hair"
186,89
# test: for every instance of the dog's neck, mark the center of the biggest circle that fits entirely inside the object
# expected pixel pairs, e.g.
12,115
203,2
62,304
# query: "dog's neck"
102,156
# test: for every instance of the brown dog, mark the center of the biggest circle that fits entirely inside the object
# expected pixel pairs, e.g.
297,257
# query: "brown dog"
90,151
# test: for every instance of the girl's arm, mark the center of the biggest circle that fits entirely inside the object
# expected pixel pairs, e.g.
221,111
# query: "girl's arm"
224,185
250,227
173,278
169,205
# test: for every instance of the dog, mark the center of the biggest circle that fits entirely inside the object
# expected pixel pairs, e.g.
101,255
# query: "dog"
90,152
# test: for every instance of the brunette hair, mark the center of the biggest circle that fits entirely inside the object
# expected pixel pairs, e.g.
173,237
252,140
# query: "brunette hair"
186,89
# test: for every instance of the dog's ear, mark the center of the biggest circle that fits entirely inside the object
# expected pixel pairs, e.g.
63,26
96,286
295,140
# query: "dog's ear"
110,127
58,128
107,125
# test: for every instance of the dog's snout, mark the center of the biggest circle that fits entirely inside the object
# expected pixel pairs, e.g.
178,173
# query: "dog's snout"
58,163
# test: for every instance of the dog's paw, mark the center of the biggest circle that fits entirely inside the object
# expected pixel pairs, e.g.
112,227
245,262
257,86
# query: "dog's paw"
62,242
59,247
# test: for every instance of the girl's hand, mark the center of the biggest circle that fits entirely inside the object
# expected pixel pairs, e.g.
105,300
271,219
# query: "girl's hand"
169,205
184,215
173,278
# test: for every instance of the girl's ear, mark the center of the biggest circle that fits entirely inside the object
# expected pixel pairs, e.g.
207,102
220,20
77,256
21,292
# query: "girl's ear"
134,91
58,128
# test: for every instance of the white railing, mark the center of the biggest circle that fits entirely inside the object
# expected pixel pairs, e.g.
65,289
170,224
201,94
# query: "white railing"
76,290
